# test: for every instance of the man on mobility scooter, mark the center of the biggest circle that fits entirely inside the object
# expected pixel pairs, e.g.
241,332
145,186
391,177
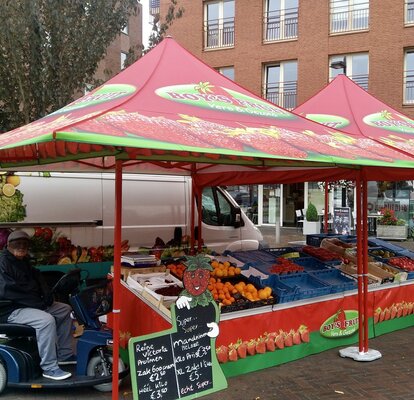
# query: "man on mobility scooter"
32,304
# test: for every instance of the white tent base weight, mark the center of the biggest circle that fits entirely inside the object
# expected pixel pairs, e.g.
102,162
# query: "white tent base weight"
354,353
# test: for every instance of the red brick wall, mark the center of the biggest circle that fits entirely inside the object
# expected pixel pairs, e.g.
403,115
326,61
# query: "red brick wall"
385,42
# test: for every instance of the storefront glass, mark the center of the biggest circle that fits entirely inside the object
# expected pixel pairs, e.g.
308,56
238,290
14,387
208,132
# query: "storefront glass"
271,203
316,196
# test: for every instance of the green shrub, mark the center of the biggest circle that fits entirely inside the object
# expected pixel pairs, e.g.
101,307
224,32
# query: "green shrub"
312,213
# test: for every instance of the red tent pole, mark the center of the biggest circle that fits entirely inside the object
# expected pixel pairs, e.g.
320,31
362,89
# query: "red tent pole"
325,224
359,266
200,220
192,218
365,258
117,277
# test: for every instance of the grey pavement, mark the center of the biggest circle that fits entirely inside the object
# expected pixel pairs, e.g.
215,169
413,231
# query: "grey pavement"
323,376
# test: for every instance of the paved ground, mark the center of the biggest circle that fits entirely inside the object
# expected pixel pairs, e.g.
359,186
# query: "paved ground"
324,376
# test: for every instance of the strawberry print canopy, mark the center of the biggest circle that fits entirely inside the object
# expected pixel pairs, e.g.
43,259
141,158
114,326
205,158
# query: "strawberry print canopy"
170,106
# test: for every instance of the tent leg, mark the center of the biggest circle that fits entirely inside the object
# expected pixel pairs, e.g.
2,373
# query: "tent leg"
362,353
117,277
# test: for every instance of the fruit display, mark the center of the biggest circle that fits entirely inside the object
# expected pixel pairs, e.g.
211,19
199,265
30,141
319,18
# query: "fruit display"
383,253
239,294
285,266
49,247
177,247
268,342
12,208
405,263
177,269
224,269
320,253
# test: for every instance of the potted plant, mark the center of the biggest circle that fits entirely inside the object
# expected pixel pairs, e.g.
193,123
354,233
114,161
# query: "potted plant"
311,225
391,227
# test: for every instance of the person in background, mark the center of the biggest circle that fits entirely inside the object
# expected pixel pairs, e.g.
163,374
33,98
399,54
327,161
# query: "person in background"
32,304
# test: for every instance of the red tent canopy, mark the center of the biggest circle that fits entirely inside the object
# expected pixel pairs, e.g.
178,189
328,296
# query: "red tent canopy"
345,106
170,106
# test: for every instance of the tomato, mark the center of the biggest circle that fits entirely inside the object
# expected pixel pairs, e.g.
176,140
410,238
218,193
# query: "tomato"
47,234
38,231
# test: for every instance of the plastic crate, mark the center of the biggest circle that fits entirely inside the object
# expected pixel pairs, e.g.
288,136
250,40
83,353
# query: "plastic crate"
338,281
385,244
252,257
283,292
281,251
312,264
315,240
372,251
305,285
308,264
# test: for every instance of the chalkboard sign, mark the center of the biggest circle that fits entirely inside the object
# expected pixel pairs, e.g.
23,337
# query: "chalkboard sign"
342,220
179,363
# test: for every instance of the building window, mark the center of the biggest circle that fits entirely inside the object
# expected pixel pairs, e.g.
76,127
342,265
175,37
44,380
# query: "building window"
280,20
409,77
124,30
349,15
123,59
219,24
409,12
154,7
228,72
280,85
355,66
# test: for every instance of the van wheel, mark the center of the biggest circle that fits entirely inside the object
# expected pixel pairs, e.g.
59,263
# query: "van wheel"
99,367
3,377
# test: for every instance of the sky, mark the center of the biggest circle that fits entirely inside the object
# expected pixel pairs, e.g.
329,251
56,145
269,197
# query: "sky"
146,25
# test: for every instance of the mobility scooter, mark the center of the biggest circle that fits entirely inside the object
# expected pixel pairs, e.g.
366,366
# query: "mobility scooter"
19,357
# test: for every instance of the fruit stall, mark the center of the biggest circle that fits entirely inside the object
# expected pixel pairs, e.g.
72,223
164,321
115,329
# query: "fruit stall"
278,305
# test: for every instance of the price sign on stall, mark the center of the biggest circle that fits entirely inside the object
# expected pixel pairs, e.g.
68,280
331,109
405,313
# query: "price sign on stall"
179,363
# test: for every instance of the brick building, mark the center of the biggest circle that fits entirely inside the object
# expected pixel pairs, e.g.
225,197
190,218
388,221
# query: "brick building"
287,50
283,49
129,37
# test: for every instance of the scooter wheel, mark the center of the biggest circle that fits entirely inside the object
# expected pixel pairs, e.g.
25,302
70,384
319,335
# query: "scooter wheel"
3,377
95,368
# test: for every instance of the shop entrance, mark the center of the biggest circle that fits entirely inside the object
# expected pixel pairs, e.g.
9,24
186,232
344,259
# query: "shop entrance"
293,199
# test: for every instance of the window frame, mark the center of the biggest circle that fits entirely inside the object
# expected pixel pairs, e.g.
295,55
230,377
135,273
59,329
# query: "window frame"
281,85
409,12
222,71
350,16
281,19
225,36
123,60
349,68
408,74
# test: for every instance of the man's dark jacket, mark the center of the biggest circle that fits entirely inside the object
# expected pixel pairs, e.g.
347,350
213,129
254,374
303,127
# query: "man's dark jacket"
22,284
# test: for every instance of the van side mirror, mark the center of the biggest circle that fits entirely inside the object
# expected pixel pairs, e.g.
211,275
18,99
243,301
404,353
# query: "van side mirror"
237,218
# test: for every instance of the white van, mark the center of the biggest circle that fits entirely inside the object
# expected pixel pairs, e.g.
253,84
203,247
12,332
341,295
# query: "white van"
81,206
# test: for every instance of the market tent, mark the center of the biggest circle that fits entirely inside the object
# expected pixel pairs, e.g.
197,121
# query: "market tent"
169,112
170,106
345,106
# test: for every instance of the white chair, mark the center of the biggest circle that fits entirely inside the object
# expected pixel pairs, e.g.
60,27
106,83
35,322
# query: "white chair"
299,219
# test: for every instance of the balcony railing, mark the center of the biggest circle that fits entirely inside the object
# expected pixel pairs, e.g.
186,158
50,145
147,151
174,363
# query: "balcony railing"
350,20
281,25
409,13
409,87
219,33
361,80
282,94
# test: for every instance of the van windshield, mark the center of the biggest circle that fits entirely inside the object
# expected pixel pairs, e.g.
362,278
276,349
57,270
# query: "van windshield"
216,209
